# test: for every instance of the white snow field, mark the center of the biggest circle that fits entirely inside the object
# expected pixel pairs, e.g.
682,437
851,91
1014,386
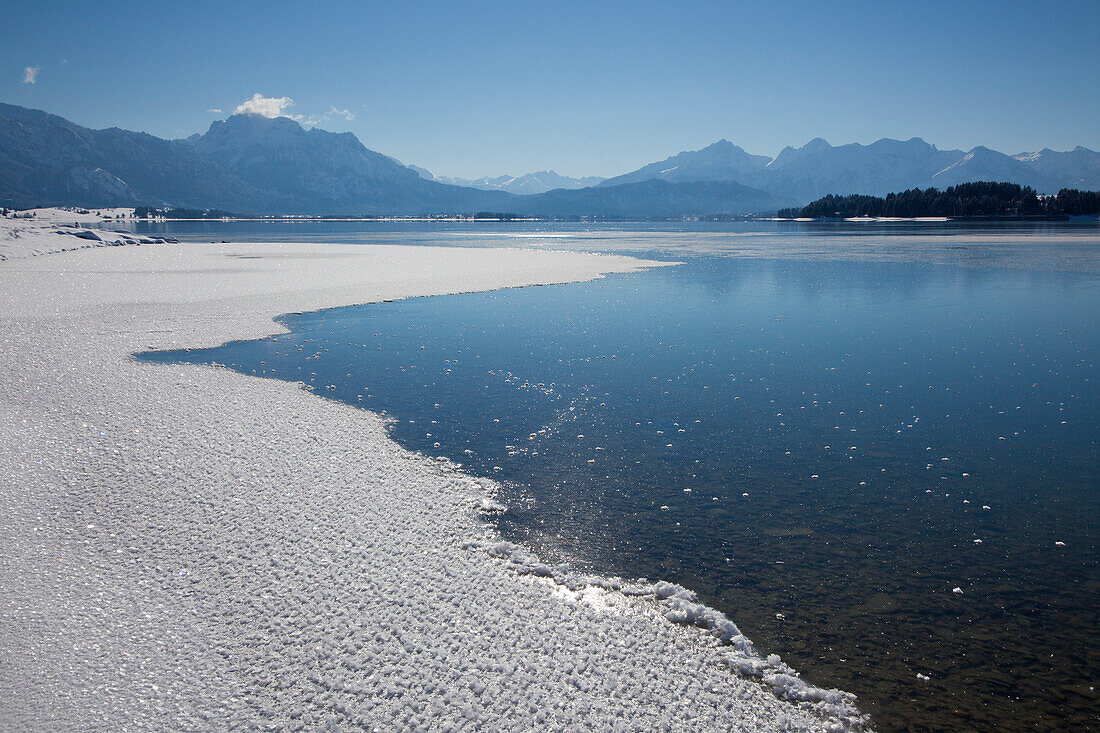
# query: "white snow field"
188,548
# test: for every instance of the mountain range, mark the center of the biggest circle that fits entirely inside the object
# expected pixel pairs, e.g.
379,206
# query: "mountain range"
818,168
529,183
254,164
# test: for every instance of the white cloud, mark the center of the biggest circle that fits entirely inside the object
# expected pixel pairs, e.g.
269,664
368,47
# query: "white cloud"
266,106
30,74
214,111
277,107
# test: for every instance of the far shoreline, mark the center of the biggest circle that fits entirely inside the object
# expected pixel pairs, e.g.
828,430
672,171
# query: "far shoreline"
125,215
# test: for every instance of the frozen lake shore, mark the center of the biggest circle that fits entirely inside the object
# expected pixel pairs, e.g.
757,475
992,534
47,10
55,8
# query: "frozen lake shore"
191,548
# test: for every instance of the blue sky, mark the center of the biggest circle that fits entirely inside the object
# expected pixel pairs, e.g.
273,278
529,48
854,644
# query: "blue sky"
485,88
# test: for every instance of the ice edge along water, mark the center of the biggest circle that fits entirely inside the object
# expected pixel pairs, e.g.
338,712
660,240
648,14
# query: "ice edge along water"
678,605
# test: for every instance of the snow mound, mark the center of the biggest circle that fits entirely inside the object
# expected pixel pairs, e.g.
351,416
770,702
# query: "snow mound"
21,238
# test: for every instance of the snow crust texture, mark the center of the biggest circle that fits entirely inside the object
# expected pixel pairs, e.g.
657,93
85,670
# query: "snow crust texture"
189,548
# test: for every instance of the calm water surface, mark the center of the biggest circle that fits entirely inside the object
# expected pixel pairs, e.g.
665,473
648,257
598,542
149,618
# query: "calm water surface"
879,469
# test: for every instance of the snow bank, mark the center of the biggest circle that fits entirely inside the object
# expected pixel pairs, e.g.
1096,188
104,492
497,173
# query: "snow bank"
191,548
31,237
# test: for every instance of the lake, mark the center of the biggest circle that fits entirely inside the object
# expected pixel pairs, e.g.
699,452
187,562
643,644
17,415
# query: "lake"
873,447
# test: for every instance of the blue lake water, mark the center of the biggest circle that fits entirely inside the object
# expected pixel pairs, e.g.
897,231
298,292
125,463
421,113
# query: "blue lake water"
825,449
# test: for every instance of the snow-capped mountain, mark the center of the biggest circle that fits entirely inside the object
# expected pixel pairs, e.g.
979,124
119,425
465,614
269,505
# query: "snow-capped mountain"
818,168
315,171
817,146
653,197
720,161
983,164
529,183
1078,168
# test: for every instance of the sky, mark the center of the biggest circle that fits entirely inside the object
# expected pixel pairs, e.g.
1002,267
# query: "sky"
583,88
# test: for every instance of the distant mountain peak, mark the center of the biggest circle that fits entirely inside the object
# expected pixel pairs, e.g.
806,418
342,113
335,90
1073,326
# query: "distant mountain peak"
719,161
242,128
528,184
789,154
913,143
242,119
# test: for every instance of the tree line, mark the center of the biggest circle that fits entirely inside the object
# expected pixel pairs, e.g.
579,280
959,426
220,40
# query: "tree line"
966,199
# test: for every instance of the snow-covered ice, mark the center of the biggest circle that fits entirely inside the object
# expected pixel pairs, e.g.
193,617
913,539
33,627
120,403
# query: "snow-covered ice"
49,232
187,547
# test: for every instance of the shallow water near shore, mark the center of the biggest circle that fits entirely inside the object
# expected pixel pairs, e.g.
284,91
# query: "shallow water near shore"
884,471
